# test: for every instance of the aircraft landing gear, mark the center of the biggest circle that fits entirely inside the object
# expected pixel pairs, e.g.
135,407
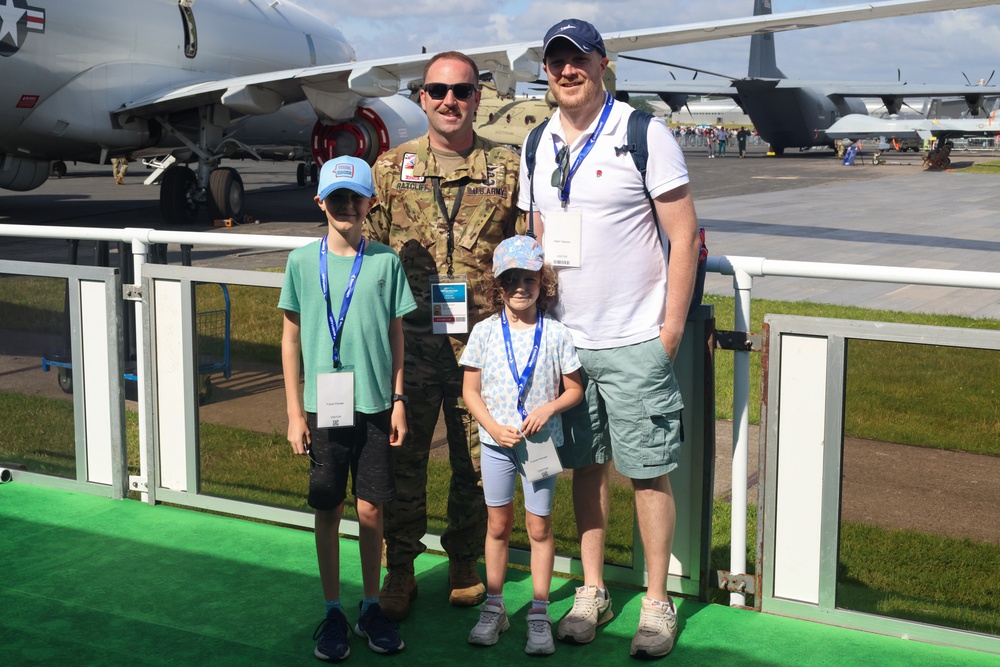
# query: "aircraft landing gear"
300,174
226,193
180,195
58,168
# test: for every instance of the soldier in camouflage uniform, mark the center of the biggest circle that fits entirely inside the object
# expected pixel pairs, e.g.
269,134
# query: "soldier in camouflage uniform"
417,185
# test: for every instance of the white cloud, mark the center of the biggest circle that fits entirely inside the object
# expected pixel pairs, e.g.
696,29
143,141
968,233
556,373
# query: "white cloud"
933,48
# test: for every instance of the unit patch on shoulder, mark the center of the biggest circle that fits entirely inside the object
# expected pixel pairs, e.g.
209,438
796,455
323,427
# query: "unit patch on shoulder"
406,173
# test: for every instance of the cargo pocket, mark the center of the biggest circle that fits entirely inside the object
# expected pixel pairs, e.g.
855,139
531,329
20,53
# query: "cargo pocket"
662,439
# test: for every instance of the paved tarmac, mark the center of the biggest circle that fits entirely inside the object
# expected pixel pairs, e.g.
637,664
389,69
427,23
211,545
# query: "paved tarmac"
804,206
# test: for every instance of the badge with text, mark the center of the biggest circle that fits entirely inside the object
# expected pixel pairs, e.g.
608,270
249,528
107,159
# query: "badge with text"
539,457
449,305
335,399
562,238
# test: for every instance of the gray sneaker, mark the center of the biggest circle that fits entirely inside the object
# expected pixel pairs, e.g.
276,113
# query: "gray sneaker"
492,621
589,611
539,635
657,629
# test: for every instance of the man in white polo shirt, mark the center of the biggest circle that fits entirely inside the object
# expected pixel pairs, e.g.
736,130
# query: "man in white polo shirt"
600,233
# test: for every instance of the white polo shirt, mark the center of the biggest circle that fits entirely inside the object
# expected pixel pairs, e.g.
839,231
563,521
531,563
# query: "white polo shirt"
618,295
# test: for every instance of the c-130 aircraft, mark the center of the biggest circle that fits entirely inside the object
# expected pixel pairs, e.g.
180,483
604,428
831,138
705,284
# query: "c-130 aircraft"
91,80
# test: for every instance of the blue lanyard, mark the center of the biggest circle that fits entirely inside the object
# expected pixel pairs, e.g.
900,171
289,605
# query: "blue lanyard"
529,368
585,151
324,283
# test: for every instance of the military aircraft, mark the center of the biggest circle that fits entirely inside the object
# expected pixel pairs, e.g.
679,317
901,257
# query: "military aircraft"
856,126
90,80
791,113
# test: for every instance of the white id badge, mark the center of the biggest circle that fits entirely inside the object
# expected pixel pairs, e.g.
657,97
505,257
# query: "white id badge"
335,399
539,457
562,238
449,305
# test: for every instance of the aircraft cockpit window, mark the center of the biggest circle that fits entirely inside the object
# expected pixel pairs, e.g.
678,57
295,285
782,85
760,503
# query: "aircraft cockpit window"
190,29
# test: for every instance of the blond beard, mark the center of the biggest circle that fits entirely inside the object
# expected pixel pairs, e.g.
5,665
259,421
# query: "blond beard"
581,99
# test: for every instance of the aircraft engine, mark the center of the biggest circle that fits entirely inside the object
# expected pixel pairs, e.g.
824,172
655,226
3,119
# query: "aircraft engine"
675,101
17,173
975,103
378,125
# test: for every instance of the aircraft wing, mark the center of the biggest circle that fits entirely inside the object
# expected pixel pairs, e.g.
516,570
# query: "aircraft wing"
857,126
689,87
333,90
885,89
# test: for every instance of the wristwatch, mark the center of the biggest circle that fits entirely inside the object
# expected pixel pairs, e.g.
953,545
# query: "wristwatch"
401,397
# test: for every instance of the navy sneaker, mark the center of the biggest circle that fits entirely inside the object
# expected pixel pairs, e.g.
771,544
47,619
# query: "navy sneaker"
332,634
381,631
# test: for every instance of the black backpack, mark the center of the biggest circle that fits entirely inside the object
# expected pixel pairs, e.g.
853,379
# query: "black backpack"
635,144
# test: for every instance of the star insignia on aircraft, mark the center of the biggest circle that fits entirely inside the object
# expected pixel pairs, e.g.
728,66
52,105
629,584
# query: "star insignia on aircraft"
17,19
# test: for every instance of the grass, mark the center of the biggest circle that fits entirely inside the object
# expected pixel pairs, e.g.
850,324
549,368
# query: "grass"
991,167
892,382
894,391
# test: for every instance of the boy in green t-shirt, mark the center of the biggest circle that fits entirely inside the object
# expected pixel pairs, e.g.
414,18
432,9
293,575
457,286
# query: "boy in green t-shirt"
344,299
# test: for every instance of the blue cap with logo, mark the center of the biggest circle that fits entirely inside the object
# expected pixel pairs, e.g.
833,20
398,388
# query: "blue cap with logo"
581,34
345,172
518,252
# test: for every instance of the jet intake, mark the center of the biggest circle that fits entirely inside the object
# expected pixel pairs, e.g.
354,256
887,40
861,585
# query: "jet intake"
377,126
20,174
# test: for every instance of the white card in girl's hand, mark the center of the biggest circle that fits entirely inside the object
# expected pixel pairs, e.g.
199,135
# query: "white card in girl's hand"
539,457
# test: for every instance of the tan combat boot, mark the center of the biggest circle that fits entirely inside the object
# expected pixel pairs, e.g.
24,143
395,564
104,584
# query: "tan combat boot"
399,589
465,588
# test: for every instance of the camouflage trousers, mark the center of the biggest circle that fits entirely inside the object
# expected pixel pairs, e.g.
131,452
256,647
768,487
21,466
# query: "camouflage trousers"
431,386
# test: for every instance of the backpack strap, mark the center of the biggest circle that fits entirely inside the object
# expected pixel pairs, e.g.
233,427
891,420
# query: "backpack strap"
638,124
530,150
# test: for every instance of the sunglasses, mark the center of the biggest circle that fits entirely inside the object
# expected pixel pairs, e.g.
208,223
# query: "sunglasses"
561,172
462,91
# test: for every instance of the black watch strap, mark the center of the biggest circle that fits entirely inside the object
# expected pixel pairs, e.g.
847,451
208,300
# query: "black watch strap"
401,397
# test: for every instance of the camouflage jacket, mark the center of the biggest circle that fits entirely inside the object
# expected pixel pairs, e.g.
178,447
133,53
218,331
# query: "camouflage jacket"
409,220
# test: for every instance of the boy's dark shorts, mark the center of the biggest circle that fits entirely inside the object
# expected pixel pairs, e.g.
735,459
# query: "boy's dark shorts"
362,450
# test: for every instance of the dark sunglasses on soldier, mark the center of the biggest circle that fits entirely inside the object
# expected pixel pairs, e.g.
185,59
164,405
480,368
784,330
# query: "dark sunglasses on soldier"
438,91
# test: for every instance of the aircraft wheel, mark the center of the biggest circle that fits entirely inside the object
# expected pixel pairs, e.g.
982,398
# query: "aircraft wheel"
300,174
178,190
778,150
226,188
58,168
313,173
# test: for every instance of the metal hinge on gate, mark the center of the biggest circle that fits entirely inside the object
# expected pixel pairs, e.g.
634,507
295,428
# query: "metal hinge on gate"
734,583
743,341
131,292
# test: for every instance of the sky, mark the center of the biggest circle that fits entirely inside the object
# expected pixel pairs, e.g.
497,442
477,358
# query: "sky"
931,48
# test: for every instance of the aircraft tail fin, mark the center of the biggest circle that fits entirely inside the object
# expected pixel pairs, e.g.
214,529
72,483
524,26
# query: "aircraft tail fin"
762,60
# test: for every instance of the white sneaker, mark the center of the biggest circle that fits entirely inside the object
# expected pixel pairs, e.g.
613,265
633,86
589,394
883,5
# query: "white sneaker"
657,629
492,621
539,635
588,612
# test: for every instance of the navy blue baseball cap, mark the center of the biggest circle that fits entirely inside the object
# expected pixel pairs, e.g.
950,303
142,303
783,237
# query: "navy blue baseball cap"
580,34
